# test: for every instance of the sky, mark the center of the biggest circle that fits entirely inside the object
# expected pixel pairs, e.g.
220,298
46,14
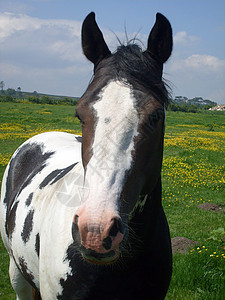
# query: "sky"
40,43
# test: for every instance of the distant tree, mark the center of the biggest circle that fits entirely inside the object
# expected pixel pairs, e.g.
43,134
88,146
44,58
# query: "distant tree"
2,84
46,100
9,98
19,93
35,93
11,92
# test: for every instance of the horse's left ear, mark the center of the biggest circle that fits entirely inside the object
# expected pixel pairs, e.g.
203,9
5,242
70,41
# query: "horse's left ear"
93,43
160,40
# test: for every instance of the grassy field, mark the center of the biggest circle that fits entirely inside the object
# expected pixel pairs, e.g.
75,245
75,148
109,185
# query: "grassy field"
193,174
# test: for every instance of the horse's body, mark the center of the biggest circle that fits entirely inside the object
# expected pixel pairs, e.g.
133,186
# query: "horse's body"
96,229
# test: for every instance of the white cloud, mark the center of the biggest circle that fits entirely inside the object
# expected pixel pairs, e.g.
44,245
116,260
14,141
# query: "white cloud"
198,75
15,6
45,55
182,38
11,23
199,63
209,62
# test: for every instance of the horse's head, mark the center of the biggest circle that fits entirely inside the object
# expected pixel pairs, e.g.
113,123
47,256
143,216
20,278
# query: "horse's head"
122,117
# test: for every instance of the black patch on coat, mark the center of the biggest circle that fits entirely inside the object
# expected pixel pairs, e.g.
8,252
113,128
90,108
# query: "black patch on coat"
49,178
37,244
55,175
79,139
77,284
27,163
29,199
11,220
25,271
28,226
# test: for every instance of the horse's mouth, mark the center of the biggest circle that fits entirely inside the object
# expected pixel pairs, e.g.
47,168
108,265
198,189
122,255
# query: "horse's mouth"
95,258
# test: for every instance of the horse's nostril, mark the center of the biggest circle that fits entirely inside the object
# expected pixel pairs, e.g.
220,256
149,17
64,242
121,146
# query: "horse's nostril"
116,227
107,243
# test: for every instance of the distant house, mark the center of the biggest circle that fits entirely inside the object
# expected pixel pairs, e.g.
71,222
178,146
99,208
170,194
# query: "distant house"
218,107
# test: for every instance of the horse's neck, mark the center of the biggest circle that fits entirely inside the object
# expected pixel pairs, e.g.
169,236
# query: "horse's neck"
150,218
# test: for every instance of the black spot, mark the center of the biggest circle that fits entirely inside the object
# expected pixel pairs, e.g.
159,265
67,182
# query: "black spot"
25,271
37,244
29,199
63,173
55,175
26,164
11,220
78,282
107,120
28,226
49,178
79,139
107,243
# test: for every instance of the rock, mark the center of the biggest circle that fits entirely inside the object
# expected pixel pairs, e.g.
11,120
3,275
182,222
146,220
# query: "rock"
182,244
211,207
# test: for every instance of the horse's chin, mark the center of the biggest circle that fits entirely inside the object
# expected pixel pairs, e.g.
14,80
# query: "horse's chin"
95,258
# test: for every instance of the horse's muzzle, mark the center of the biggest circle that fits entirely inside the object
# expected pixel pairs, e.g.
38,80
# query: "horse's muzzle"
99,241
99,258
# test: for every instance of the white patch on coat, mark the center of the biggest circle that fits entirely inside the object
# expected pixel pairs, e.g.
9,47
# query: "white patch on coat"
116,127
54,208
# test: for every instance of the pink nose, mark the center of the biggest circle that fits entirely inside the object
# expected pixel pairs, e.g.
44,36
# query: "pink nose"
100,235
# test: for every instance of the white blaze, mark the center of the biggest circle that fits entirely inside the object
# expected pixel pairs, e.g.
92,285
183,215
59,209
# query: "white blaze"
116,127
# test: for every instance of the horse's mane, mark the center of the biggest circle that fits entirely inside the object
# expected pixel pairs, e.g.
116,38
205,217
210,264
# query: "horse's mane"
131,65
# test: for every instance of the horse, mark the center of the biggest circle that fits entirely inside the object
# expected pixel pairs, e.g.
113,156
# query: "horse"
81,217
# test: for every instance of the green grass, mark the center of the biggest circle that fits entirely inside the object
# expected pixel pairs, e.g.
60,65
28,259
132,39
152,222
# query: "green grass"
193,173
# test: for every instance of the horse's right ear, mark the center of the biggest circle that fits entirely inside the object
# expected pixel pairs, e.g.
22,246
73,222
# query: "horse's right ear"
93,43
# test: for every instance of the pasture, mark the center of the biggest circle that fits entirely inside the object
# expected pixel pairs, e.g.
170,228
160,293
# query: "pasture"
193,177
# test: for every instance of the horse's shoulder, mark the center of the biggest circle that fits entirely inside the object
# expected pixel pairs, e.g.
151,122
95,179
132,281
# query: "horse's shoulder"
47,155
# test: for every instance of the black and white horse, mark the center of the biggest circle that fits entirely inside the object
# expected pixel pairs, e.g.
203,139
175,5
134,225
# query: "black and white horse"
82,218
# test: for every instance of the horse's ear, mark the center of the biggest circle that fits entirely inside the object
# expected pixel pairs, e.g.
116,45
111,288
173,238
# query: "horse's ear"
93,43
160,40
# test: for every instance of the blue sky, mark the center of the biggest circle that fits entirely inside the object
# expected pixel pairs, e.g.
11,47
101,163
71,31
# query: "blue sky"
40,42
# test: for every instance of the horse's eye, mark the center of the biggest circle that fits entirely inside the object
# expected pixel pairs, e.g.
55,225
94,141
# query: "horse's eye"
79,118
